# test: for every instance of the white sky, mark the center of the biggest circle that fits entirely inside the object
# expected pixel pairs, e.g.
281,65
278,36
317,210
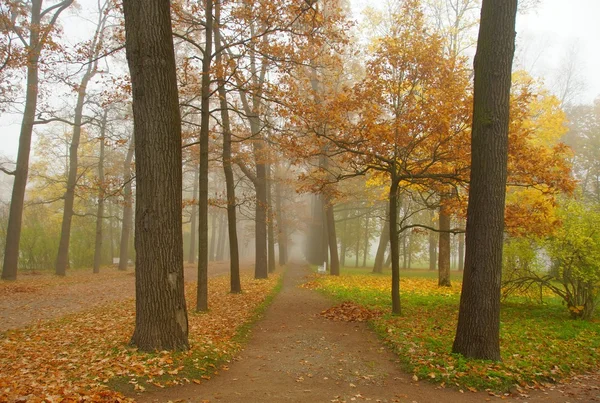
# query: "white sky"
543,39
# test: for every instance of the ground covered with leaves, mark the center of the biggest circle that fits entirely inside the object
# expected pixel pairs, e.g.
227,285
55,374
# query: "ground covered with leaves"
86,356
540,343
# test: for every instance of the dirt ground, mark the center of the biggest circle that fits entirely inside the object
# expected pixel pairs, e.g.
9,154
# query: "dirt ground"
35,297
293,355
296,355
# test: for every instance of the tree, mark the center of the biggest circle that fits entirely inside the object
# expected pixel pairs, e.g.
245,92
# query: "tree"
39,28
478,330
161,315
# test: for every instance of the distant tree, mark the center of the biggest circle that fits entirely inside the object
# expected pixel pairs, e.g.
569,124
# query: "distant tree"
35,35
161,315
478,331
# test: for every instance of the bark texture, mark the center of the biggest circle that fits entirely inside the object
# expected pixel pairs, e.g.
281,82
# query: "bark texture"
478,329
161,315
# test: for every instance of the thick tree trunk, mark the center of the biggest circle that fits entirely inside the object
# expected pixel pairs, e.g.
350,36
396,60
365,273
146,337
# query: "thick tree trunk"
161,315
202,290
194,217
127,224
17,201
394,252
478,330
101,192
384,241
234,258
444,248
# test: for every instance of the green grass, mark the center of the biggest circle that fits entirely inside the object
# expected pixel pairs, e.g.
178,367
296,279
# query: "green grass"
539,342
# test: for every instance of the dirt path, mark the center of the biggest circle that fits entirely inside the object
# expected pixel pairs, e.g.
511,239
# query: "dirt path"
295,355
33,298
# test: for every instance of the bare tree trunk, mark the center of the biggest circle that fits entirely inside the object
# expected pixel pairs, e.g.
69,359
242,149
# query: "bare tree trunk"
343,246
394,252
212,252
358,232
444,247
221,238
161,316
234,258
432,244
101,195
281,226
202,290
366,254
384,241
461,252
194,217
478,330
127,224
270,229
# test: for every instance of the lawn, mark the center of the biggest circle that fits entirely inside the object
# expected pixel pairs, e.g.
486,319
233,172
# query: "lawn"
540,343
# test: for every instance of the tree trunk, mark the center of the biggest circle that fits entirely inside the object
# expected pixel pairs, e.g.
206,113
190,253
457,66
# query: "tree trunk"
101,192
161,316
403,238
384,240
432,244
334,264
127,209
461,252
15,217
194,217
366,254
444,248
62,258
281,227
358,232
478,330
234,258
212,252
394,252
343,238
221,238
270,229
260,229
202,290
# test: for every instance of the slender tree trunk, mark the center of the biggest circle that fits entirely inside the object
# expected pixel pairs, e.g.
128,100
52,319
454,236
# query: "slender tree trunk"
444,247
478,330
281,227
202,290
221,238
260,229
161,315
404,251
212,252
366,254
234,258
101,192
270,229
384,241
332,238
432,244
127,224
111,230
17,201
410,250
394,252
358,232
194,217
62,258
343,238
461,252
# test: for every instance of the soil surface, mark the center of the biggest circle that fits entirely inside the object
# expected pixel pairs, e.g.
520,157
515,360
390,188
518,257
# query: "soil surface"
35,297
296,355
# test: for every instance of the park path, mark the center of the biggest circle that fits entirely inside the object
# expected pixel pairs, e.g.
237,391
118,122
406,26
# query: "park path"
33,298
296,355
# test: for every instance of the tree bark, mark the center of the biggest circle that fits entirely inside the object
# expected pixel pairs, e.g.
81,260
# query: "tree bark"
127,224
394,252
234,258
444,248
478,330
101,195
161,316
202,290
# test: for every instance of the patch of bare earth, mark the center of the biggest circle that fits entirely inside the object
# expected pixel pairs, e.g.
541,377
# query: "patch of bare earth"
36,297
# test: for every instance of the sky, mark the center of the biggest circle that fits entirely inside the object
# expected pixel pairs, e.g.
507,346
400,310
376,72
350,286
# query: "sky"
545,37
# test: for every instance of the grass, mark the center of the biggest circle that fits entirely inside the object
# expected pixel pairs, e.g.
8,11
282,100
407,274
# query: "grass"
539,342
